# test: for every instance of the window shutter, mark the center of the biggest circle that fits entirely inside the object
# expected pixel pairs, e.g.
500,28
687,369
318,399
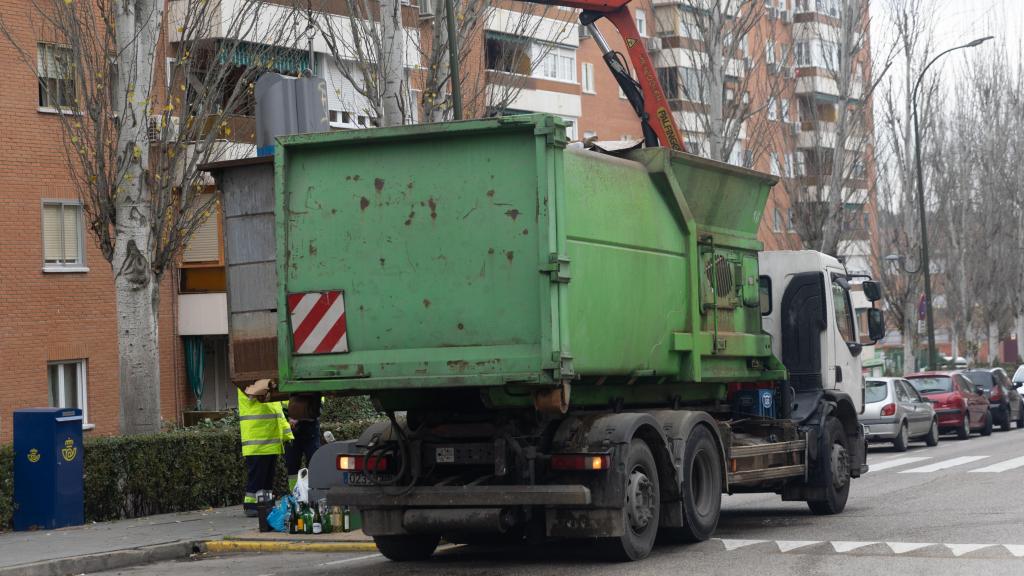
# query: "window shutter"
52,233
72,233
204,246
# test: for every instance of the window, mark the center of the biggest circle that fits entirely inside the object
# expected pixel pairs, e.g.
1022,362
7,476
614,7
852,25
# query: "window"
801,163
791,224
901,392
587,70
62,235
689,27
693,88
55,68
204,245
641,23
773,161
777,221
555,62
785,109
803,53
769,52
844,316
507,53
773,111
669,80
789,165
67,386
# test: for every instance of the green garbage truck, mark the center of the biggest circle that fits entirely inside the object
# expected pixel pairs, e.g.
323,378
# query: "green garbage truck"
566,343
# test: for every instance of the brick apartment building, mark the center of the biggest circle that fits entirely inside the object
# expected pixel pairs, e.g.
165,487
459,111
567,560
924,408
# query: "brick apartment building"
58,345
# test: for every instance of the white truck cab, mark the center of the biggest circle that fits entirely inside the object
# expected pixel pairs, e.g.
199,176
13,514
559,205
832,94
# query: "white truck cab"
808,310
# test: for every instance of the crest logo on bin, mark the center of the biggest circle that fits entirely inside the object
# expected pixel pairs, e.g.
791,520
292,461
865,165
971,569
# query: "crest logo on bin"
69,451
34,456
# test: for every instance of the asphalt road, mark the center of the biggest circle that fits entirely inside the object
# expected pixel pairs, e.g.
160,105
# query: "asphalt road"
952,509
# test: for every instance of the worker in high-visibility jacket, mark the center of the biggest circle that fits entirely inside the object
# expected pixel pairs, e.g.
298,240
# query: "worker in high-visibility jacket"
264,429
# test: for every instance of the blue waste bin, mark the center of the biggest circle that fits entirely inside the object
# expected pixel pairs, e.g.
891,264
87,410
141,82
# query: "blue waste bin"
48,458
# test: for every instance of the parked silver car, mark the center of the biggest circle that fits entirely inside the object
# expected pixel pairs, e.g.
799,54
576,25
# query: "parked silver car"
895,412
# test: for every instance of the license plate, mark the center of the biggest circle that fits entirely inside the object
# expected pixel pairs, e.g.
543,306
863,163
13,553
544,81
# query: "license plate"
363,479
444,455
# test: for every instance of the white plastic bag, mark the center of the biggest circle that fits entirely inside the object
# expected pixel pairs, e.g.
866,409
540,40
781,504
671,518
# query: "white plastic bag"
301,491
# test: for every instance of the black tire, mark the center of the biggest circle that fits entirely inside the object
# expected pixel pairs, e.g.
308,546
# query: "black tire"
834,472
932,439
964,431
641,509
1020,417
407,547
902,438
1005,424
701,489
987,430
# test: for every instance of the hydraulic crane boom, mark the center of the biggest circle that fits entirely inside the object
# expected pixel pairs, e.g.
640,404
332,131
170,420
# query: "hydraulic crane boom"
645,93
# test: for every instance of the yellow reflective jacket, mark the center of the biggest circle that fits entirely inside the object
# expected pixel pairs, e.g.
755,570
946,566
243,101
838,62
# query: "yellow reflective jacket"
263,425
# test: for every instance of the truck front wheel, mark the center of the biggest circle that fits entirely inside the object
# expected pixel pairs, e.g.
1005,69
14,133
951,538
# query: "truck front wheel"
640,513
407,547
835,471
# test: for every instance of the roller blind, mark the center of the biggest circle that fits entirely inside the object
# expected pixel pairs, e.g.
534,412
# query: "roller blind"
62,232
204,246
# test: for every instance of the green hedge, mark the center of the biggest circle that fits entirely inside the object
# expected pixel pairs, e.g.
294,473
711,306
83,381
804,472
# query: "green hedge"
175,471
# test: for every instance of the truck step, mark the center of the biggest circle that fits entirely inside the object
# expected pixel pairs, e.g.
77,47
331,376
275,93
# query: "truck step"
459,496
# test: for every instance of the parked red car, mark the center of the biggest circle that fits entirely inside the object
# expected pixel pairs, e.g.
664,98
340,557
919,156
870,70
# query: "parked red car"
960,405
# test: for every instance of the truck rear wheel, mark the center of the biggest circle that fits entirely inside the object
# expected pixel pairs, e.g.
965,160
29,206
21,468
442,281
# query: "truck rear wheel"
407,547
640,512
835,471
701,489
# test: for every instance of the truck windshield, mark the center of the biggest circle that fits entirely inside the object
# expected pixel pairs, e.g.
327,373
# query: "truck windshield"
875,391
932,384
981,378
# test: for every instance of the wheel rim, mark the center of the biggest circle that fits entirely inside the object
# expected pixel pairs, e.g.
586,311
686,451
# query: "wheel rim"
640,500
840,466
701,481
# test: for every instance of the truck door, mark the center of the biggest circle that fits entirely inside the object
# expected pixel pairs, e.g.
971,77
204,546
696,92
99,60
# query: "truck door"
843,371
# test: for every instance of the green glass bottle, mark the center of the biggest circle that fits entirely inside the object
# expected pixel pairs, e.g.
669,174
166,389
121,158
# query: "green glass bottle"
325,515
307,519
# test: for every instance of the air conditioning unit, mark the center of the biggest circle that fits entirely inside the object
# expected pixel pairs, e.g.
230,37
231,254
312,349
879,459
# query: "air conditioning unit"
427,8
653,43
584,31
786,16
157,124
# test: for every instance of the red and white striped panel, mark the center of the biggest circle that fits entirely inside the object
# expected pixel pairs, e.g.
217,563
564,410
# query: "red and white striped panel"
318,322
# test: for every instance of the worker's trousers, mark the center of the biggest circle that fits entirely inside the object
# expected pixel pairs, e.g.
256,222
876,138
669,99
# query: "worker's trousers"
259,476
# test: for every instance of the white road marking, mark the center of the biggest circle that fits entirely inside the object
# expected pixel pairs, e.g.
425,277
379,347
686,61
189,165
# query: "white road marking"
843,546
1003,466
1015,549
787,545
944,464
897,462
904,547
347,560
961,549
734,544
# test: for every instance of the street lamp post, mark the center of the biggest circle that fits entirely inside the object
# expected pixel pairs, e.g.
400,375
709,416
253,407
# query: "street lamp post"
925,263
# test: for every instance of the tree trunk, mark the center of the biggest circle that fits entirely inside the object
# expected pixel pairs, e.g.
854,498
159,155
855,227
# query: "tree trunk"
715,91
439,99
392,65
993,343
135,283
909,330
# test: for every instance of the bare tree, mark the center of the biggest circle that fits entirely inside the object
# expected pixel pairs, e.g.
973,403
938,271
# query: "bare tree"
134,144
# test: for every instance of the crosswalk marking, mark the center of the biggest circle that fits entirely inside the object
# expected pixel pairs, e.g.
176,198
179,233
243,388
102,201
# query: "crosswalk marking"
961,549
787,545
944,464
1003,466
734,544
896,462
843,546
904,547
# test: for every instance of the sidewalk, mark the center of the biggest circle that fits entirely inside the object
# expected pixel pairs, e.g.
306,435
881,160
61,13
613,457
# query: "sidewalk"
110,545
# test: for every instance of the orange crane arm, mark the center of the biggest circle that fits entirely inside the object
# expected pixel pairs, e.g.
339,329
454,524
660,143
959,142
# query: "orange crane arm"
645,93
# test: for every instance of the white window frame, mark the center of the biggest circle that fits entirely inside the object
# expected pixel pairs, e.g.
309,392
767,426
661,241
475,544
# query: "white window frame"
777,224
587,80
773,110
81,368
784,103
543,51
773,164
641,23
45,107
80,265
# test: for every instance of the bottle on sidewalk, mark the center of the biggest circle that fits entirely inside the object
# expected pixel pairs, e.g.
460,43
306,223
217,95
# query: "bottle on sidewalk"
325,515
296,527
318,523
346,521
307,519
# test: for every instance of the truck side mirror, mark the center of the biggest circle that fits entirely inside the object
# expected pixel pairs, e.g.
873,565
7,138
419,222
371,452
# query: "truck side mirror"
876,325
872,290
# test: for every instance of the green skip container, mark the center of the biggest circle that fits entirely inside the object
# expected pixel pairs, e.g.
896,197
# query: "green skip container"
488,256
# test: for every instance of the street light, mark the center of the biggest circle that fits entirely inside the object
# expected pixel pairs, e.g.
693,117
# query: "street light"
925,264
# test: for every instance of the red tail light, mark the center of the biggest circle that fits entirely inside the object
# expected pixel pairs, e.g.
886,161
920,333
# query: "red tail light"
359,463
997,393
579,462
888,410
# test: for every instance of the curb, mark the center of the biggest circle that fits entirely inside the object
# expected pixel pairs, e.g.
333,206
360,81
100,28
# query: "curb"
226,546
112,560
